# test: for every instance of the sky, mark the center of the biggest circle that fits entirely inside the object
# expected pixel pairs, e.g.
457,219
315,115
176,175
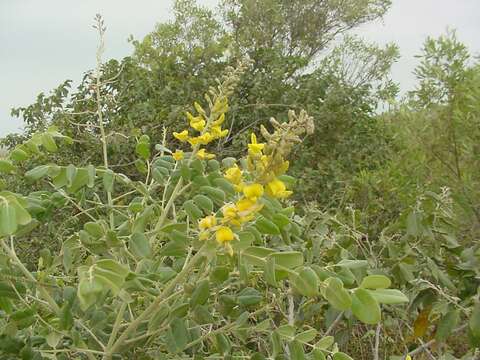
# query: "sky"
46,42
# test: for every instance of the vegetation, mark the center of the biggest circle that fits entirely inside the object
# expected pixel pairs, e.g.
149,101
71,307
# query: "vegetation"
287,220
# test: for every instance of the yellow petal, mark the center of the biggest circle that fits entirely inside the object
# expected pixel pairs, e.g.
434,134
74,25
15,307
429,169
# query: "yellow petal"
178,155
182,136
253,191
224,234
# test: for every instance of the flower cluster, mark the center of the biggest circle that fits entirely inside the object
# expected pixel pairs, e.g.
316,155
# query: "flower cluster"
265,163
209,128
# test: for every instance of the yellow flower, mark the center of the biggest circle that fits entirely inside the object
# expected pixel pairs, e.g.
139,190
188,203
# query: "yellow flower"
196,122
178,155
217,132
205,138
253,191
255,148
224,234
182,136
245,205
277,188
408,357
203,155
219,121
229,211
207,222
194,140
234,175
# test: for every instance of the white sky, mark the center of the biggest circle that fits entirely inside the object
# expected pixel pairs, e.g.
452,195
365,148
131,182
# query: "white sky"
46,42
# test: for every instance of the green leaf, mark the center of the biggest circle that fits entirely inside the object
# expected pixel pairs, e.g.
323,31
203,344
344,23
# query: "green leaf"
286,331
223,343
215,194
94,229
375,282
288,259
71,173
204,203
49,142
269,272
317,354
280,220
256,255
22,216
201,293
139,245
192,210
225,185
474,322
143,150
306,282
365,307
158,318
341,356
325,342
306,336
352,264
249,296
179,333
296,351
389,296
18,155
37,172
8,218
108,180
414,224
6,166
446,325
91,176
336,294
265,226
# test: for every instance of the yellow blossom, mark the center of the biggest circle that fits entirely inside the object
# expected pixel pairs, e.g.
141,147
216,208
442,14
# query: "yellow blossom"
254,147
253,191
219,121
202,154
182,136
207,222
229,211
217,132
234,175
277,188
198,123
244,205
224,234
204,139
178,155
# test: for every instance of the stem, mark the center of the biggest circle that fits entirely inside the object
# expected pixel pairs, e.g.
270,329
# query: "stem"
432,342
161,298
116,325
98,96
377,342
337,320
13,255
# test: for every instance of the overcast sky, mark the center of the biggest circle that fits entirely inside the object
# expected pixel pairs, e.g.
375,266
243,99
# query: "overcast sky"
46,42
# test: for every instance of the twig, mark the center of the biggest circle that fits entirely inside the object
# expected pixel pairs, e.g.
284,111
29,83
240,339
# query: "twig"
377,342
337,320
426,345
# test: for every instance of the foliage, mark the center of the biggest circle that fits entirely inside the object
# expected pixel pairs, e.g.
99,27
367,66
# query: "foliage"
191,256
224,255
